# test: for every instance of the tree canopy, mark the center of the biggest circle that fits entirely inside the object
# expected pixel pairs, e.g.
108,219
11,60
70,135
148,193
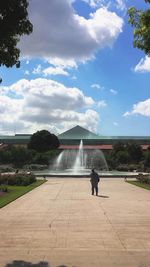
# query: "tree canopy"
14,22
43,141
140,20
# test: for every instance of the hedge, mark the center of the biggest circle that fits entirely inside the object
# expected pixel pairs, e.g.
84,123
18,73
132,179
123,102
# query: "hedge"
17,179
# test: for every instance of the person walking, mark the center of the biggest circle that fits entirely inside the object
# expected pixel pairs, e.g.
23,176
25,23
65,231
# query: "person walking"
94,181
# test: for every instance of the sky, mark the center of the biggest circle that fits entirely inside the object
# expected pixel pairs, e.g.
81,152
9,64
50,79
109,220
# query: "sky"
78,67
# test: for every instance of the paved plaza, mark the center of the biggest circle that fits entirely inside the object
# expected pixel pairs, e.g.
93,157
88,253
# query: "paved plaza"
61,224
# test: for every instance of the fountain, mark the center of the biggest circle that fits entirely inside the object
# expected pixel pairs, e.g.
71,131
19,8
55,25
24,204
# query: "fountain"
79,162
80,158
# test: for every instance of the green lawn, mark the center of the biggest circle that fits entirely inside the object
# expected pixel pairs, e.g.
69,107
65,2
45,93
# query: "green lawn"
137,183
15,192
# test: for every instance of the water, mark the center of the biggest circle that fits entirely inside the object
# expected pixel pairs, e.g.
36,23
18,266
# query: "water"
80,158
76,161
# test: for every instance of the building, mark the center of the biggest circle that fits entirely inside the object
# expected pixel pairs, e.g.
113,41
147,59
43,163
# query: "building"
71,139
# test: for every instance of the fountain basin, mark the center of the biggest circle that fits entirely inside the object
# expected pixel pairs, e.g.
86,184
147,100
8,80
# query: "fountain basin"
85,173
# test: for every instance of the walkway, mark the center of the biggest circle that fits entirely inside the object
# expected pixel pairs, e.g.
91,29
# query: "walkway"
61,224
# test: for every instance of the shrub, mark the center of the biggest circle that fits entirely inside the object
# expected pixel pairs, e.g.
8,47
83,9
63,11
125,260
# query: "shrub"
35,167
4,188
17,179
143,178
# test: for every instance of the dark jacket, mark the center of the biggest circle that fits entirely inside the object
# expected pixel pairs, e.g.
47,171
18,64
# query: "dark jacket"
94,178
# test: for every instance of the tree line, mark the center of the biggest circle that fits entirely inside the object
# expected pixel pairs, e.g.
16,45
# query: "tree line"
41,149
129,157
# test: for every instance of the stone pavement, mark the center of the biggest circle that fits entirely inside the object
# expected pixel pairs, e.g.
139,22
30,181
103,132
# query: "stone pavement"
61,224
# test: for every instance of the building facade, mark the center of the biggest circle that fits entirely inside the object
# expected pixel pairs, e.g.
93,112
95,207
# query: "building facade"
71,139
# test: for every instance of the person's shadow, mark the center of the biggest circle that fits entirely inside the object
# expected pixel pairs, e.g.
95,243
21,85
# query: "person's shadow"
30,264
27,264
103,196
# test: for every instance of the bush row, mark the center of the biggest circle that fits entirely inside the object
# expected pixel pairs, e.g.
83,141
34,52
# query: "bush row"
17,179
143,178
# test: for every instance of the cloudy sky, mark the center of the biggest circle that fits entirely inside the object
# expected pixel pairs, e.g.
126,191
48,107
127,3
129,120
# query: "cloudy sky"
78,67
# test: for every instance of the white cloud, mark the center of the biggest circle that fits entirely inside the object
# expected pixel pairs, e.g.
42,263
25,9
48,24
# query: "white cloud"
101,104
63,63
97,86
141,108
59,32
121,5
114,92
143,65
55,71
94,3
58,69
44,104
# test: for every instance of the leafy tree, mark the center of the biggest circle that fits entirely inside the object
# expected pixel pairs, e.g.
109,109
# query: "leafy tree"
16,155
13,23
5,156
135,152
147,159
140,20
119,146
43,141
20,156
123,157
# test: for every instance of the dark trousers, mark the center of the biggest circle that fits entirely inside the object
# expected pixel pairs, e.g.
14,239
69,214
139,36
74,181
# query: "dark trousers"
95,188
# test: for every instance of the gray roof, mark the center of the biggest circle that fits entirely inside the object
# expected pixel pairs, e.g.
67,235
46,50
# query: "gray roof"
78,132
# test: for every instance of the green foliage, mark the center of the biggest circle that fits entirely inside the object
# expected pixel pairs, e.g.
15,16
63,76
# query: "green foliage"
147,159
20,179
129,167
143,178
40,158
119,146
123,157
16,155
13,23
137,183
135,152
42,141
140,20
4,188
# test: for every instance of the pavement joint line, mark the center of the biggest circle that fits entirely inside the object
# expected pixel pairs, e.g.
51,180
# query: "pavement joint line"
109,221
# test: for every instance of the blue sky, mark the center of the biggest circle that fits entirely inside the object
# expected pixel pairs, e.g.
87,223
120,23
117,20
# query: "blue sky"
78,67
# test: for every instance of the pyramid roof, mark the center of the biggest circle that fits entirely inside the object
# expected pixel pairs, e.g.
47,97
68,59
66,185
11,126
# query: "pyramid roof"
79,133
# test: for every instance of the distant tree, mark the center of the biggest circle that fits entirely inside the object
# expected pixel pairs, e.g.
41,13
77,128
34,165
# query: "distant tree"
135,152
20,156
119,146
13,23
15,155
147,160
43,141
140,20
122,157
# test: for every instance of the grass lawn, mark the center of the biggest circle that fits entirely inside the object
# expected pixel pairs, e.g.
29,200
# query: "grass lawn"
15,192
137,183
